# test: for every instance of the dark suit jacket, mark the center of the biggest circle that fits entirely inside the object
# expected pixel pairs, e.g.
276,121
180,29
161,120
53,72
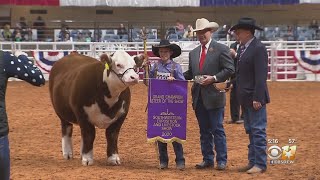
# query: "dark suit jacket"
252,75
219,63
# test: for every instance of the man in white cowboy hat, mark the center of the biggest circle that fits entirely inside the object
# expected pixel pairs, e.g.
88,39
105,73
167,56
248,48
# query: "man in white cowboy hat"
252,92
212,61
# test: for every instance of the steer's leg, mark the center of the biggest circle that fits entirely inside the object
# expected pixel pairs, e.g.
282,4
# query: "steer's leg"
88,134
112,134
67,148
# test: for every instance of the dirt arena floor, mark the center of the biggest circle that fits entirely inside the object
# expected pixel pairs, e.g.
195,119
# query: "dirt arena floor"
35,139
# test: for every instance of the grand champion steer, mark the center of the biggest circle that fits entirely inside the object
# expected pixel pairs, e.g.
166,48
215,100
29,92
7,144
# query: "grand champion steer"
89,93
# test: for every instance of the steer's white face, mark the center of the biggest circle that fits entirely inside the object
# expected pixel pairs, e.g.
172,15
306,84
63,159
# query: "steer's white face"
123,63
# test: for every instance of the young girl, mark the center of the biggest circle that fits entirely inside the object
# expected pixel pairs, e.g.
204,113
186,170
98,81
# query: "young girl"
166,68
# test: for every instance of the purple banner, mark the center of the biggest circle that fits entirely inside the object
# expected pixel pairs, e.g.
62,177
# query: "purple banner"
167,110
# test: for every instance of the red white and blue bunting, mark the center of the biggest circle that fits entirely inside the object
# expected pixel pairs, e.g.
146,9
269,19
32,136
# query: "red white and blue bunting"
45,60
308,60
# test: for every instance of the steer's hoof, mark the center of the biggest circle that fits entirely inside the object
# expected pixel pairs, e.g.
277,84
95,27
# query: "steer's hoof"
87,159
87,162
114,160
67,156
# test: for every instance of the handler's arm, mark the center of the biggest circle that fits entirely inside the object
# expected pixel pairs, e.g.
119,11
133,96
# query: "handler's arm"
226,66
261,73
21,67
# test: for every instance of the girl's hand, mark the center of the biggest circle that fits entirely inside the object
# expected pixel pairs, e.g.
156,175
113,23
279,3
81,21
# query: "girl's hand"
170,78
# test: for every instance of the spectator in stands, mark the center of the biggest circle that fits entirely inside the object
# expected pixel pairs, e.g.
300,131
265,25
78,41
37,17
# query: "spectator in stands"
21,67
15,31
189,32
143,32
67,37
97,33
122,31
317,36
315,28
6,33
22,23
170,30
88,38
314,25
86,33
21,26
27,34
289,36
81,37
17,35
222,34
179,26
40,25
64,34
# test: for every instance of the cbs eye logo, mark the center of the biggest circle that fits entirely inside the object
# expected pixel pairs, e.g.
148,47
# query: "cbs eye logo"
274,152
286,152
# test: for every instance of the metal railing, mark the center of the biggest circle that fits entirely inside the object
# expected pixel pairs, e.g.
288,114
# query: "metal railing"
282,63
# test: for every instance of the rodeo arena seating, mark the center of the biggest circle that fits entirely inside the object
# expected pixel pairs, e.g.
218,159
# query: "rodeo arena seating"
293,48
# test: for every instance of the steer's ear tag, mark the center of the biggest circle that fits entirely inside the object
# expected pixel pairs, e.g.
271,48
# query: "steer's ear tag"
107,66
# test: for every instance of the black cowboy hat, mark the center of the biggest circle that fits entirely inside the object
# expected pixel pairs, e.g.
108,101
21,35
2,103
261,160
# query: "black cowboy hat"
166,44
246,23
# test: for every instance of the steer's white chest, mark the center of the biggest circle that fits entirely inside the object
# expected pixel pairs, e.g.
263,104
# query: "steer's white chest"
100,120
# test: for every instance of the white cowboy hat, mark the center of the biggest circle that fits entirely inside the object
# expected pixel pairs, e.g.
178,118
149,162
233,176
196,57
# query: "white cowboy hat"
203,23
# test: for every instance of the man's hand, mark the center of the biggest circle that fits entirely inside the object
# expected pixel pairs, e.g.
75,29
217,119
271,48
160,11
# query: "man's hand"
171,78
230,87
256,105
207,80
233,53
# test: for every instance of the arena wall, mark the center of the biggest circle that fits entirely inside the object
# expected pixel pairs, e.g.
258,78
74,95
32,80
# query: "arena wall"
265,15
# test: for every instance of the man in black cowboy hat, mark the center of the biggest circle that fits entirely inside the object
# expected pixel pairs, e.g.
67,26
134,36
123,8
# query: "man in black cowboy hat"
167,69
252,92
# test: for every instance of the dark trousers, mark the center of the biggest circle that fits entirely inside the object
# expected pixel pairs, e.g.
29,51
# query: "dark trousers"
255,123
163,152
235,105
4,158
211,133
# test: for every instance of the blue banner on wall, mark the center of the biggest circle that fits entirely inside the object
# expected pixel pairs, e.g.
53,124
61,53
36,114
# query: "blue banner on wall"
245,2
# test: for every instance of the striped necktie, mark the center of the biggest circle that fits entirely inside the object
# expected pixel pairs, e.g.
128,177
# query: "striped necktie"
242,48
